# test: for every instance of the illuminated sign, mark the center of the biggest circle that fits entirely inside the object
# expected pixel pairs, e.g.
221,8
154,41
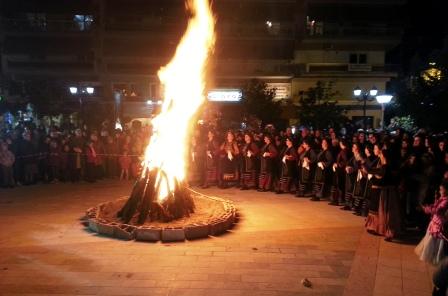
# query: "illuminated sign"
282,90
225,95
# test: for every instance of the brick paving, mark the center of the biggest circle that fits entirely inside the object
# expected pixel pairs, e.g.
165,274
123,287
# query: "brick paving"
280,240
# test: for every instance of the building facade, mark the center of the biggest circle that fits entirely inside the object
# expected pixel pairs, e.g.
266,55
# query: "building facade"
118,46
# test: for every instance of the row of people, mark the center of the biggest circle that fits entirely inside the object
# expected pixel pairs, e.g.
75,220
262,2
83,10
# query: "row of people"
356,176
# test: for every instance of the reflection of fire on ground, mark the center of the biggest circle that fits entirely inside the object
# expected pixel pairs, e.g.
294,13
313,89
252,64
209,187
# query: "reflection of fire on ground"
161,191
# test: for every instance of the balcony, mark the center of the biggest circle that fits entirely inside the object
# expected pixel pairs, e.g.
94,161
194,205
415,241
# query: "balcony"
326,30
257,30
16,25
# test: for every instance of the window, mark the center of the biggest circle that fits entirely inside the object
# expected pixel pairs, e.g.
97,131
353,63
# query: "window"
353,58
362,58
358,58
83,22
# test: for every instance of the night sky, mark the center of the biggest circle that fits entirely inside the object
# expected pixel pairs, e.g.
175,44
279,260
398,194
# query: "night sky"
426,25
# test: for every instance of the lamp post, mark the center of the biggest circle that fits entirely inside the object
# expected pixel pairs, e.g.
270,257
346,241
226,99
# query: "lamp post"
364,96
383,100
82,91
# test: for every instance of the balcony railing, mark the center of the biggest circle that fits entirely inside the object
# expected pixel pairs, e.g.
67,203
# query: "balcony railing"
24,25
326,30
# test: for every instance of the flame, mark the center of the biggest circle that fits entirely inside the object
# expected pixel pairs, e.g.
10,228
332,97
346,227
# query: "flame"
183,81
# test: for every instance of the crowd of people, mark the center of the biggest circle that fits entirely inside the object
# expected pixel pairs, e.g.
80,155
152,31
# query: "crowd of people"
396,180
31,155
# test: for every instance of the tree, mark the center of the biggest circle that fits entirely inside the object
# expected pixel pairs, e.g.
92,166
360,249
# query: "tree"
318,107
258,100
423,93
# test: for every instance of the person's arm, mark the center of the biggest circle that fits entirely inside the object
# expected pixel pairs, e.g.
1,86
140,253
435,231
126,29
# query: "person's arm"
255,149
273,151
378,171
236,150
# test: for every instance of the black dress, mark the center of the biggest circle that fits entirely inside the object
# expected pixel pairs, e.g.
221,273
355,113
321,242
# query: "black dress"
306,172
249,166
288,169
323,176
267,166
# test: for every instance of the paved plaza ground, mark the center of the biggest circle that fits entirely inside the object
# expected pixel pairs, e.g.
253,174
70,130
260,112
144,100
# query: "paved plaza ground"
44,250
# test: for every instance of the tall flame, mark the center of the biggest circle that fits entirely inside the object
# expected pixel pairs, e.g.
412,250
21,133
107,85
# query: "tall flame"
183,80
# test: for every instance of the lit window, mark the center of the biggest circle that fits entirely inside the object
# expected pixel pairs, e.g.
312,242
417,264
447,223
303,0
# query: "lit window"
84,22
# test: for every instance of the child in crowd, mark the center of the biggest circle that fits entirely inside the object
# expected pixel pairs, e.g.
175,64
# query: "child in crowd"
7,160
125,164
434,245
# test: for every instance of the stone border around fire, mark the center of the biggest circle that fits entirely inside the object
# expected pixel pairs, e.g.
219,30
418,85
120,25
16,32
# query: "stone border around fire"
213,227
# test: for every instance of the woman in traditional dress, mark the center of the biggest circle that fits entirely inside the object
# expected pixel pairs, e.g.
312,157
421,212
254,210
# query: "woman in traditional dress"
250,153
211,160
322,178
268,155
288,172
362,185
351,174
229,152
338,188
307,165
384,213
434,246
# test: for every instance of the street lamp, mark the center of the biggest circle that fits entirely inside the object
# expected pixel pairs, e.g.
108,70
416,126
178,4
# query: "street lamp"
365,96
81,92
73,90
90,90
383,100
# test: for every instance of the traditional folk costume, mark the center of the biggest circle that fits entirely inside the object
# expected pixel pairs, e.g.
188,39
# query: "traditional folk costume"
434,246
306,172
362,188
338,188
323,174
267,168
211,163
288,172
384,213
229,163
250,154
351,176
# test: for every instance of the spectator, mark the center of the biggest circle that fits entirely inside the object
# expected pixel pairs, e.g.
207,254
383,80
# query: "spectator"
7,160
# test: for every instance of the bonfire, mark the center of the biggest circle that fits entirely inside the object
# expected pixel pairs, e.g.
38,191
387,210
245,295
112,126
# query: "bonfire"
161,193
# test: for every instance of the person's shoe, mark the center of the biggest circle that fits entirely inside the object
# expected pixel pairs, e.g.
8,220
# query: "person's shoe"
244,188
279,192
346,208
387,239
315,198
333,203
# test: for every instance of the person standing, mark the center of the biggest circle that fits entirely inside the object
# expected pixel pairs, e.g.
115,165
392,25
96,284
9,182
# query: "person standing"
288,172
76,160
7,160
250,153
228,161
268,155
434,246
323,175
307,166
338,189
440,279
211,160
362,185
384,214
351,175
